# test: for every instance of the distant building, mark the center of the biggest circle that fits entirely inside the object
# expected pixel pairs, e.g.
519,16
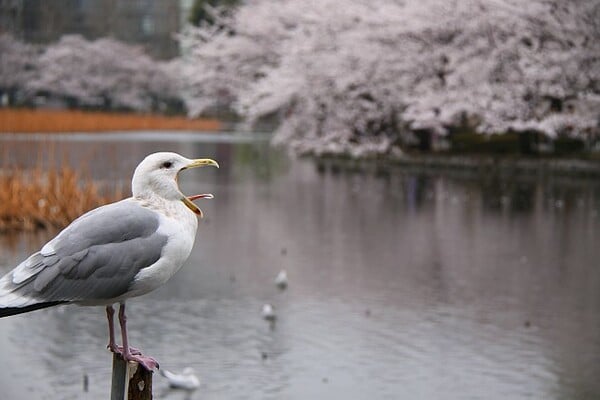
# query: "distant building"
11,12
150,23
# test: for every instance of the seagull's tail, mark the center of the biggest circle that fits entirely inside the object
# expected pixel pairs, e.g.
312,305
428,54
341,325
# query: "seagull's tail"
12,302
8,311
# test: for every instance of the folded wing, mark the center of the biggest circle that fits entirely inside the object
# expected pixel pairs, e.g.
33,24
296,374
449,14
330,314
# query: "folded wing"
95,258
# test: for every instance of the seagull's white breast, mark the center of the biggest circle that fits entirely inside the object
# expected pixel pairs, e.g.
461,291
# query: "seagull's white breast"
179,225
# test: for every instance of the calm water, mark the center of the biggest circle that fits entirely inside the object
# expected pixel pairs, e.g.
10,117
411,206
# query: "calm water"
403,285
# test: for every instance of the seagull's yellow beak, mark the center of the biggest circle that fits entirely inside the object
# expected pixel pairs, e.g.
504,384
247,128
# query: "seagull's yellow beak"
200,162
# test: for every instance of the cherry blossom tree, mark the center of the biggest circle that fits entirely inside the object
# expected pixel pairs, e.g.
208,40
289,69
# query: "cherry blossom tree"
104,73
349,76
360,77
17,67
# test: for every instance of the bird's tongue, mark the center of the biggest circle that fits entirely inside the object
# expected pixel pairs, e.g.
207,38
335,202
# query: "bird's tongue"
187,200
201,196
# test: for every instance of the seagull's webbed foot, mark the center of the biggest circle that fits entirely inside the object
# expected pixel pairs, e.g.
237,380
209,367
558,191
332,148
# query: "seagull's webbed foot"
134,355
147,362
129,353
113,348
119,350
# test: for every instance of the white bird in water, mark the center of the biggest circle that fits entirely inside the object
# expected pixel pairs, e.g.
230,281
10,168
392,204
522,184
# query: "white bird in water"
268,312
115,252
187,380
281,281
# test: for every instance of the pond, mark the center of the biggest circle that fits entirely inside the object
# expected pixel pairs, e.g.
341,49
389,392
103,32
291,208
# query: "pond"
404,284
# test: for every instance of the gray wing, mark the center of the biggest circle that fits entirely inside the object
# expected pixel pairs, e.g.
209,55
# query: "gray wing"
94,258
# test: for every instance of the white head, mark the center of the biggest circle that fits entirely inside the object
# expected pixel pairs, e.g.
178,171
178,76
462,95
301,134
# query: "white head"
157,174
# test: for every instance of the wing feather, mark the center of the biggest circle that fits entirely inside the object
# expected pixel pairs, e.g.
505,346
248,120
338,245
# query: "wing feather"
94,258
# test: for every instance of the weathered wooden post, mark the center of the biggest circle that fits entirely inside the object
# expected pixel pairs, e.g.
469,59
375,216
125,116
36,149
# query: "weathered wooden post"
130,381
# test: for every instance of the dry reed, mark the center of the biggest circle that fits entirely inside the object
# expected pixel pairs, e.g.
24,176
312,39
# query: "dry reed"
40,121
36,199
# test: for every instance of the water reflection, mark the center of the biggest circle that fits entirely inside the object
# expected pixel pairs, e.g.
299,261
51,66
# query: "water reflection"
403,284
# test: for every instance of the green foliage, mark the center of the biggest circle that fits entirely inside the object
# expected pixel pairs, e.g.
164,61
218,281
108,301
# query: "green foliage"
567,145
512,143
467,142
198,13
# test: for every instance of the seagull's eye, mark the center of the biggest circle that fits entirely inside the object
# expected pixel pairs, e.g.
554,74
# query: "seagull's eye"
167,164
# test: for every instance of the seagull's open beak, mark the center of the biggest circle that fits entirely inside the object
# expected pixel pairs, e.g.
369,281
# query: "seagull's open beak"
192,206
201,162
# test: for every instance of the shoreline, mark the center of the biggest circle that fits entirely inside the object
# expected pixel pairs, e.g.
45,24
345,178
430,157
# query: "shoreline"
37,122
476,165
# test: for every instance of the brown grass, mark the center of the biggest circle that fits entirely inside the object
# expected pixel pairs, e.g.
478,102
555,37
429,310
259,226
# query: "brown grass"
37,199
41,121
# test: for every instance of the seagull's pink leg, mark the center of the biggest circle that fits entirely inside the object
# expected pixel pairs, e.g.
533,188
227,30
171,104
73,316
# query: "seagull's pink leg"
128,355
112,344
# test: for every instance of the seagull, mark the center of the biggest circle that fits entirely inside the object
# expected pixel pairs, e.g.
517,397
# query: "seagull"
186,380
114,252
268,312
281,281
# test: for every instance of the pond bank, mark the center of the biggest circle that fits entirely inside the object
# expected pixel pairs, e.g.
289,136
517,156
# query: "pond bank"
472,164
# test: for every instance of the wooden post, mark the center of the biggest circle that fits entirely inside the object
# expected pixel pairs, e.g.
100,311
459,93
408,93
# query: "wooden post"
130,381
